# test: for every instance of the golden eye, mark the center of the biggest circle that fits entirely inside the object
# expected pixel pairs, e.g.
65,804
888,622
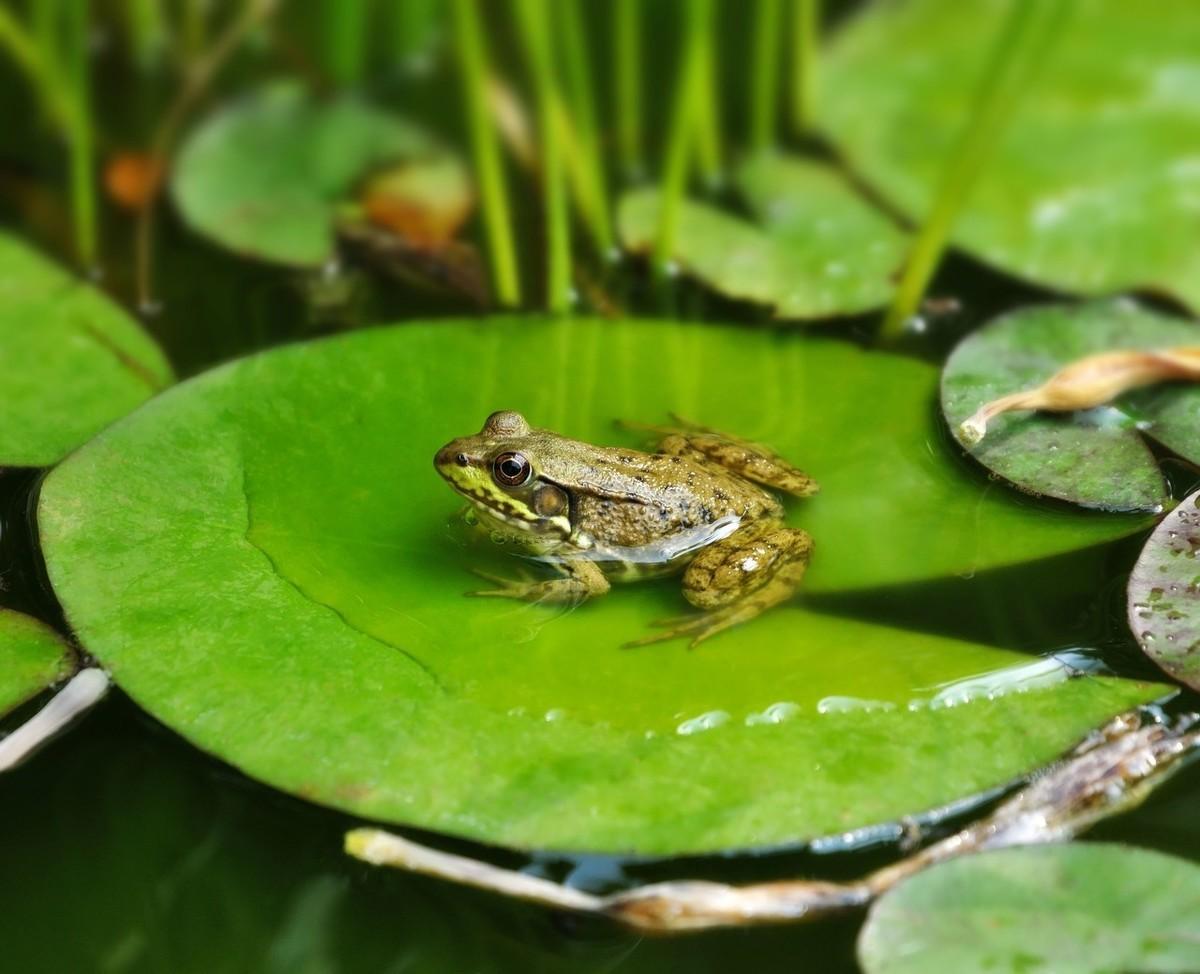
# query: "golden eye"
511,469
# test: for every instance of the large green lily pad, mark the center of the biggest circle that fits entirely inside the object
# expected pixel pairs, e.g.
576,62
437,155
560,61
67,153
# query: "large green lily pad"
263,559
1095,458
32,657
71,360
264,176
1164,593
815,248
1095,185
1071,909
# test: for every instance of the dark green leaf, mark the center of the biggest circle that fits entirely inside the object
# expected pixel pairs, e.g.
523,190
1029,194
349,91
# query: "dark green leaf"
1096,185
815,249
72,360
264,176
32,657
1070,909
1095,458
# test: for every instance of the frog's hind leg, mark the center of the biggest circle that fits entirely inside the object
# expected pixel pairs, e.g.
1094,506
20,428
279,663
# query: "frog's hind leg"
581,580
737,579
750,460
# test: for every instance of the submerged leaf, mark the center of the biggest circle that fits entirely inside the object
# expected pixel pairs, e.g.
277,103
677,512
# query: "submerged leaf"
262,560
1094,186
72,360
265,175
1092,458
815,248
1164,593
1070,909
32,657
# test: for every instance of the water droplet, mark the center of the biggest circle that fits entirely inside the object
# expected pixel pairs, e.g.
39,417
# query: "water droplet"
777,713
554,714
706,721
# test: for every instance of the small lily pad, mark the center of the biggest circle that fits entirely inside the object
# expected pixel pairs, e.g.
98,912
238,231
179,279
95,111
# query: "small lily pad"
1096,458
32,657
1164,593
1085,908
1095,185
814,248
264,176
72,360
265,559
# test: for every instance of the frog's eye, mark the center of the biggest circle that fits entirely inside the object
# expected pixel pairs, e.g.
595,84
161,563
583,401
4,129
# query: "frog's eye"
511,469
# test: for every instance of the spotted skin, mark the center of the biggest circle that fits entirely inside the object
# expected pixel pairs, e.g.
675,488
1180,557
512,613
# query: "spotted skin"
698,505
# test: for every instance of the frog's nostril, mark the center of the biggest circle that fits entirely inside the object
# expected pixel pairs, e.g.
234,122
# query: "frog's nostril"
462,459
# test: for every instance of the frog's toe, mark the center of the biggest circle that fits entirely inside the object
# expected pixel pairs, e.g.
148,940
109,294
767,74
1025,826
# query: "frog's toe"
698,627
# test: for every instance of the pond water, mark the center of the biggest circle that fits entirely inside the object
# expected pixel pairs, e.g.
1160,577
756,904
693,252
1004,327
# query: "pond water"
127,849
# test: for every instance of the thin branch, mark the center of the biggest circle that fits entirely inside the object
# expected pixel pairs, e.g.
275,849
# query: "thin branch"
84,690
1114,769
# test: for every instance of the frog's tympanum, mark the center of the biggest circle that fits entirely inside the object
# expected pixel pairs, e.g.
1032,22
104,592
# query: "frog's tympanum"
599,514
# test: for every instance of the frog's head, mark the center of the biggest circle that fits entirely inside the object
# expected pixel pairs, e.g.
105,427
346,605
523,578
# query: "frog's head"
497,471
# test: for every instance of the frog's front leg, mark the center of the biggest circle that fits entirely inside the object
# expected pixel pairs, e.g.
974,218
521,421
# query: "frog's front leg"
581,580
739,578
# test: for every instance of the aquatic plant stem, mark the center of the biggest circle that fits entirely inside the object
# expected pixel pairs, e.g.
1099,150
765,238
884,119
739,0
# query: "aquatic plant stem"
764,88
583,144
708,111
81,142
346,30
1020,48
486,151
533,18
806,26
199,77
37,60
627,78
681,134
145,29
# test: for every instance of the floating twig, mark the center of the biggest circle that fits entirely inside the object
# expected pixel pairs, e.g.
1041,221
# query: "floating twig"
1112,770
84,690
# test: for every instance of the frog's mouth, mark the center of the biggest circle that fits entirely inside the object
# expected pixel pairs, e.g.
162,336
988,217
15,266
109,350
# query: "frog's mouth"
471,477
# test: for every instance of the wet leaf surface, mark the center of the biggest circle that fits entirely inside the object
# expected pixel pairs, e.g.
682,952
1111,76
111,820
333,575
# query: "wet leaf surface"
1096,458
264,561
1094,188
264,176
72,360
1164,593
814,247
32,657
1071,909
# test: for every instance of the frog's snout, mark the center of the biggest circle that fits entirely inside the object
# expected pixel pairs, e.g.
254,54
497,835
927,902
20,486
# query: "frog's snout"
450,455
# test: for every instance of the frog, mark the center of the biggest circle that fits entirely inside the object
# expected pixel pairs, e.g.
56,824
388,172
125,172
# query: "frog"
702,505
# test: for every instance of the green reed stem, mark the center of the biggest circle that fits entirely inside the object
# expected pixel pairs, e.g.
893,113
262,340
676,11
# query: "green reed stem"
485,148
194,28
533,22
146,30
708,111
764,89
80,140
45,24
681,134
585,159
806,27
346,27
627,77
1022,45
40,67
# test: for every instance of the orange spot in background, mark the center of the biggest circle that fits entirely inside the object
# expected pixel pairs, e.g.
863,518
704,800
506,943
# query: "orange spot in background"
132,179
